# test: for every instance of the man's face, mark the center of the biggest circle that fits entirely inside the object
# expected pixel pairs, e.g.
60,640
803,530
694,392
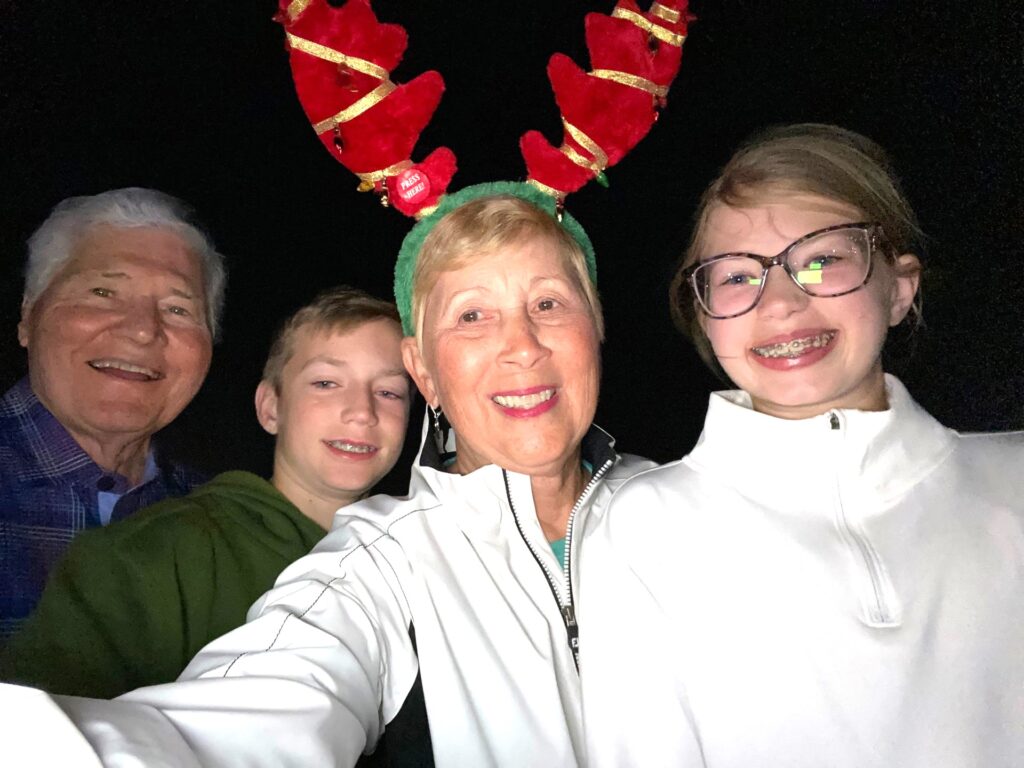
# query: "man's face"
341,412
118,342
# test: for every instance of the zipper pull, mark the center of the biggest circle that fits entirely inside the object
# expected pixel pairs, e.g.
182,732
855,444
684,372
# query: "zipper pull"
571,628
833,419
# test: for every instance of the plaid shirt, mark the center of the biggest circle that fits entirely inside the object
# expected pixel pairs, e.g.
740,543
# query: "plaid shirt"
49,491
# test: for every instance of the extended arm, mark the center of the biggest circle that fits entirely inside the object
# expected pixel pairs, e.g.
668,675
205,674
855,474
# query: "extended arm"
309,681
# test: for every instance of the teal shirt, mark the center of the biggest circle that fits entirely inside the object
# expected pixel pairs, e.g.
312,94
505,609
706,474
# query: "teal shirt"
558,547
131,604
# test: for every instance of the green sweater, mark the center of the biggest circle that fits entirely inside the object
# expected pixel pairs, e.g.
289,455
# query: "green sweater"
131,604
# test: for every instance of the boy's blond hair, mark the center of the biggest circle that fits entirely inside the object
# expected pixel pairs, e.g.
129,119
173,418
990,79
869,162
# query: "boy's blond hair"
336,310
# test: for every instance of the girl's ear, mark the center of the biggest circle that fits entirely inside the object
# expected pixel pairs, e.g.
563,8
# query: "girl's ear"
702,318
907,280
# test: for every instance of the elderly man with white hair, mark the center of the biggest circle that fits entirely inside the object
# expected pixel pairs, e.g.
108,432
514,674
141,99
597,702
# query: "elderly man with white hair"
123,294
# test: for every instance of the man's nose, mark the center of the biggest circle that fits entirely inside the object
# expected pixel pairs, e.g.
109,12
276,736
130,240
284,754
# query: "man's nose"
141,321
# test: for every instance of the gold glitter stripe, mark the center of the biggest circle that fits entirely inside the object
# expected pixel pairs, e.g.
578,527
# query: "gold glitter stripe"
337,57
649,27
579,159
633,81
671,15
392,170
371,99
558,195
600,161
422,213
296,7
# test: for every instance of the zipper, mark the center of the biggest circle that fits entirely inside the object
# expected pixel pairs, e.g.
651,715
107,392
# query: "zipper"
563,599
569,610
880,613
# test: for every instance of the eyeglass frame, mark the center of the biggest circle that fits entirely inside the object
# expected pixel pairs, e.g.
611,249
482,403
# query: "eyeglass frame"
877,241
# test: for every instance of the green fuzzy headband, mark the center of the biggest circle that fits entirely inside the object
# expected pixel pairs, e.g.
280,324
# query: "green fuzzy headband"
413,242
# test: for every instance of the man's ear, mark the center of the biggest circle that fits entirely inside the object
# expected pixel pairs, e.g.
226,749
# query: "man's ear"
418,370
906,281
25,323
266,406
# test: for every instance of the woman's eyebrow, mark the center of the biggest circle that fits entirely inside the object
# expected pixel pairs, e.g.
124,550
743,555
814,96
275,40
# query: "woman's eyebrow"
549,279
460,294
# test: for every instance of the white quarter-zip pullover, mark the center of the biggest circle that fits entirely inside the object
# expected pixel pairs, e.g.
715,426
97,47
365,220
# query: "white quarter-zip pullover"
844,591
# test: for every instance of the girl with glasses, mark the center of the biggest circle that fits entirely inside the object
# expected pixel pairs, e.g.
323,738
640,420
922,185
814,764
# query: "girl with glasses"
831,577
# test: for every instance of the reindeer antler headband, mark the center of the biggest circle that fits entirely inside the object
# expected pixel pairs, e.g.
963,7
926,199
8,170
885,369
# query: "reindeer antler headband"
342,59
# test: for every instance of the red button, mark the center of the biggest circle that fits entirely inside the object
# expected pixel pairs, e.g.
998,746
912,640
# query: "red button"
412,186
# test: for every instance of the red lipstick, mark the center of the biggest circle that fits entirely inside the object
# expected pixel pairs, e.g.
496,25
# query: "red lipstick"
526,403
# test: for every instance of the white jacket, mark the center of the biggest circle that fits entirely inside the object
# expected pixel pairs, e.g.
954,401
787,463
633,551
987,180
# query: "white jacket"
327,659
845,590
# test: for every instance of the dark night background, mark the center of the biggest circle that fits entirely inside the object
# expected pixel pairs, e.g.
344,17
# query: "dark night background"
195,98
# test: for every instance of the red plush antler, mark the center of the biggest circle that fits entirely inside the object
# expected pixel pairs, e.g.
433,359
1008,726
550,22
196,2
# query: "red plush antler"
607,111
341,61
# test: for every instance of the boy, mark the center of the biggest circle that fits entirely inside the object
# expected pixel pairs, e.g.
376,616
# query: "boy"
133,603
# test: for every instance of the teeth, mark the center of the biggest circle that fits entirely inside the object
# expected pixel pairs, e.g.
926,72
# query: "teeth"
796,347
341,445
524,401
120,365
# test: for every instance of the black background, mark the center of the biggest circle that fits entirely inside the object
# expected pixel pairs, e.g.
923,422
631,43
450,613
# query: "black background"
195,98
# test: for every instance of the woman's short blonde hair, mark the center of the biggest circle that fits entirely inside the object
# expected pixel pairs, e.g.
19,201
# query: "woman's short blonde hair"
794,160
335,310
480,228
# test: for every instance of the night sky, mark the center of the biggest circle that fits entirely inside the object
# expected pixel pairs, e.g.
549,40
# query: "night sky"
195,98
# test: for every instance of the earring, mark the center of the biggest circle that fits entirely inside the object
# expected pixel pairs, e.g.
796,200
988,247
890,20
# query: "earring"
435,416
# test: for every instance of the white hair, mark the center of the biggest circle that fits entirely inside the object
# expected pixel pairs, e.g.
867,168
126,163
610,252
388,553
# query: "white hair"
52,245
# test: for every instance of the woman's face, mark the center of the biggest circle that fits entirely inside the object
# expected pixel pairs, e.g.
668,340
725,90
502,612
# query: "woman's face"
511,354
838,365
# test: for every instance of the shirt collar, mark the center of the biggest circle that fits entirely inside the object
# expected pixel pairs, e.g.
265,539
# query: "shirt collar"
52,448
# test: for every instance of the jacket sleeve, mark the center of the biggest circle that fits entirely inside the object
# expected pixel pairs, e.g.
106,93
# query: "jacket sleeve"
635,708
325,661
108,621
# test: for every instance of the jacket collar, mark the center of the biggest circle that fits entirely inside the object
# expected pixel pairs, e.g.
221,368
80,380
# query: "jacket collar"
779,461
596,448
484,489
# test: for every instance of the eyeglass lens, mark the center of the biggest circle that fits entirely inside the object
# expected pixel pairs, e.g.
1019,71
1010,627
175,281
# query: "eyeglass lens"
829,264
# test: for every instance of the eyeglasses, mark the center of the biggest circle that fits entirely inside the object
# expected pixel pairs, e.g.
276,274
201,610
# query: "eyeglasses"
827,262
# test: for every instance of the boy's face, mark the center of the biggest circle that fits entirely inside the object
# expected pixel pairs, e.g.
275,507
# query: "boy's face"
341,413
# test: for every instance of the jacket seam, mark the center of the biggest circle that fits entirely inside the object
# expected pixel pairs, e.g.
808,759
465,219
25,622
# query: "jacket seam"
328,585
280,629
